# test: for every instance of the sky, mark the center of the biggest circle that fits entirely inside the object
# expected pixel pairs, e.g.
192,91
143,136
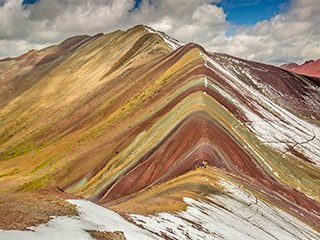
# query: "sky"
269,31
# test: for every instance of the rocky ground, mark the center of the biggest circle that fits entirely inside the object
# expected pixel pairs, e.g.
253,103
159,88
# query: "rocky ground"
117,235
22,210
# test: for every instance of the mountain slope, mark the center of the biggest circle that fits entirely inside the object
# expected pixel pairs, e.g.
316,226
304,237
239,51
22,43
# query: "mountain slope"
134,119
309,68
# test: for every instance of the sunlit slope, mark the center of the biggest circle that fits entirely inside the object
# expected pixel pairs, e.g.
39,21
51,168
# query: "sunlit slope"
43,127
134,124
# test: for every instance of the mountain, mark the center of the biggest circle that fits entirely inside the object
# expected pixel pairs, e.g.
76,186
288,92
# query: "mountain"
309,68
181,142
289,66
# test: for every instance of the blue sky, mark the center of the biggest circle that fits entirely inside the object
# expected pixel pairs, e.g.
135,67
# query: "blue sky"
249,12
29,1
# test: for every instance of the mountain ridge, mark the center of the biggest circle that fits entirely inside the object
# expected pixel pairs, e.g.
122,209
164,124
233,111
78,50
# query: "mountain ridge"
309,68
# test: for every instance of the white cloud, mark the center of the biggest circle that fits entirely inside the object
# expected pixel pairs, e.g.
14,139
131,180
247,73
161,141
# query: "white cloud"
50,21
14,47
290,36
197,21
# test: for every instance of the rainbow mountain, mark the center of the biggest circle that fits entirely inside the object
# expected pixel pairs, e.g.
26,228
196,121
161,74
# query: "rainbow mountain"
180,142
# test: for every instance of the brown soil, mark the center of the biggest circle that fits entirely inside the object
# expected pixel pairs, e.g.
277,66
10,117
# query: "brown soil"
55,191
19,211
117,235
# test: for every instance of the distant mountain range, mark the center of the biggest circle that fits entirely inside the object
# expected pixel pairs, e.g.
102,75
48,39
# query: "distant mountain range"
181,142
309,68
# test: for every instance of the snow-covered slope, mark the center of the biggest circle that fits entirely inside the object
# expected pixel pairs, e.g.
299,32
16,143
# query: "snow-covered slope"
238,215
272,123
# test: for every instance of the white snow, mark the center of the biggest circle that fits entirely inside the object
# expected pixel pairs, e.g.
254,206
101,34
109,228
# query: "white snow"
91,217
280,129
205,82
171,42
235,216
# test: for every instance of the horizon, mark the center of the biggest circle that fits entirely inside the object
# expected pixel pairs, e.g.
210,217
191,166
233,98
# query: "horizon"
272,32
56,44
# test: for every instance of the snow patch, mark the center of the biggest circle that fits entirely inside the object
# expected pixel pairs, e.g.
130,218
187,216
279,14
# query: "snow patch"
91,217
171,42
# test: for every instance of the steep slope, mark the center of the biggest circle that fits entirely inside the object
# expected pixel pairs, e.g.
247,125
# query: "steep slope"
63,107
309,68
169,135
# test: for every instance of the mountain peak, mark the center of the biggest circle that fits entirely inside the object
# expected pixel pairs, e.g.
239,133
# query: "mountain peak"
289,65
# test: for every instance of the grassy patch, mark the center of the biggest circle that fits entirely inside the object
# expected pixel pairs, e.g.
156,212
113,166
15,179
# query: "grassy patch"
13,172
35,184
